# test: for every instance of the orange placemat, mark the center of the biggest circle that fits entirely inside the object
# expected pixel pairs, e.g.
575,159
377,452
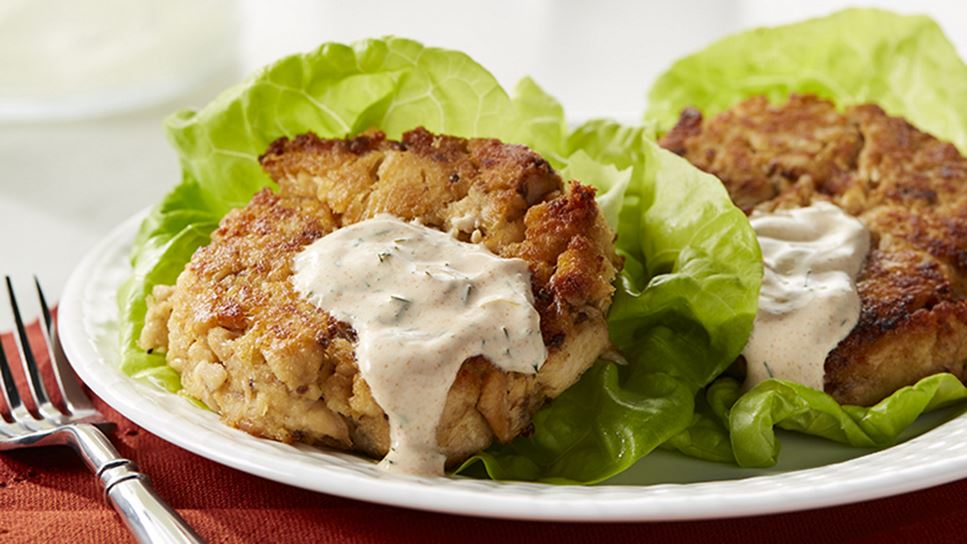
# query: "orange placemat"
46,495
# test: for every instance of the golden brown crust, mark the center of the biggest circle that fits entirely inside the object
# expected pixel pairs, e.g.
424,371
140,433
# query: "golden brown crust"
263,357
909,189
761,151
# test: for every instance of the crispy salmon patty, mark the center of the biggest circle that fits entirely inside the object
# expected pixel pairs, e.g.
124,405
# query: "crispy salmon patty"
907,187
274,365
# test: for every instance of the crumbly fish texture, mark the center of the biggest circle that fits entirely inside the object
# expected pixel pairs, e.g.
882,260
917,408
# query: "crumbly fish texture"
908,188
274,365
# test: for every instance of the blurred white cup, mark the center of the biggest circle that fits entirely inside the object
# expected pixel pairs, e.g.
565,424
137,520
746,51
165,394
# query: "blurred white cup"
68,59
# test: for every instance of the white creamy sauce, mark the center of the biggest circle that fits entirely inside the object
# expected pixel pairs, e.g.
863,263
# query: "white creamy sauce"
808,302
421,303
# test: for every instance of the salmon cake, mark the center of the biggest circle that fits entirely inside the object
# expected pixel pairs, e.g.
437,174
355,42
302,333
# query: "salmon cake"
273,364
907,187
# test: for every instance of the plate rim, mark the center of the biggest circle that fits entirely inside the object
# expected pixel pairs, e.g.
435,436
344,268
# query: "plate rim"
504,500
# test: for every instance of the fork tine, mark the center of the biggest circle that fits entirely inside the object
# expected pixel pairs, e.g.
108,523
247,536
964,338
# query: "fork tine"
10,394
44,309
74,398
35,383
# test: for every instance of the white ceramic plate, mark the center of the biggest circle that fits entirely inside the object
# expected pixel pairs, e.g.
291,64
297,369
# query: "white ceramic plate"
663,486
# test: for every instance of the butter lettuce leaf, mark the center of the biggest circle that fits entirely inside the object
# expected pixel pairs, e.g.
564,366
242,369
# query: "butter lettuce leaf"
907,66
683,309
541,122
739,428
794,407
166,240
707,437
391,84
904,63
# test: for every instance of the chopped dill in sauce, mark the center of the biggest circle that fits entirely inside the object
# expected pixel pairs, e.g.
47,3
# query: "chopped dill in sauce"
418,317
808,302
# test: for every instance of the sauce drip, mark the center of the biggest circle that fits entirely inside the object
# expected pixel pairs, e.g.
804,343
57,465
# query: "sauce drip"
421,303
808,302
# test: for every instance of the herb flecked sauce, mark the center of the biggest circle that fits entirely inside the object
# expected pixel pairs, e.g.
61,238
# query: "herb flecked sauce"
421,303
808,302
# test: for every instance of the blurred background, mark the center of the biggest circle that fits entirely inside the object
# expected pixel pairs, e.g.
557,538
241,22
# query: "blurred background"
85,84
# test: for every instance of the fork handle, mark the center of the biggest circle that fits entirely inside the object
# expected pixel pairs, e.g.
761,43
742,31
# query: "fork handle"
130,491
140,507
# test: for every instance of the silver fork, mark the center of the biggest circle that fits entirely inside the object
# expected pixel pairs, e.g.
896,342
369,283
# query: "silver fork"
75,425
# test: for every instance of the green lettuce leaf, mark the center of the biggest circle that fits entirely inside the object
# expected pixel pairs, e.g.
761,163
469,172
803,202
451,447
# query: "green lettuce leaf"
541,121
707,437
686,298
683,309
166,240
795,407
903,63
740,428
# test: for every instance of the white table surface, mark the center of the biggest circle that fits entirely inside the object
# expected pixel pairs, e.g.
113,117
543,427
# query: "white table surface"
64,185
